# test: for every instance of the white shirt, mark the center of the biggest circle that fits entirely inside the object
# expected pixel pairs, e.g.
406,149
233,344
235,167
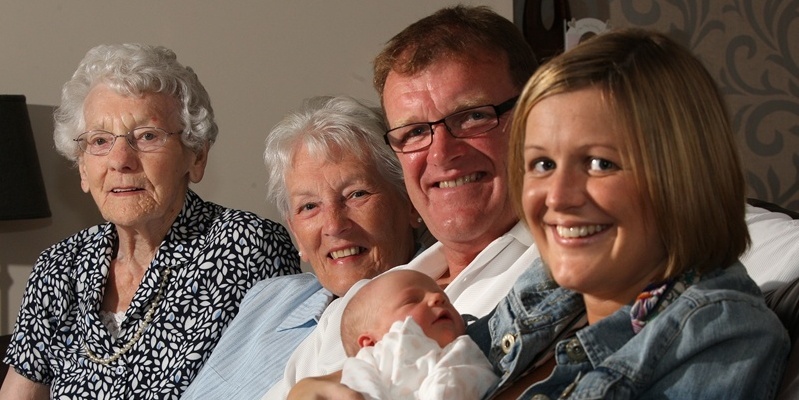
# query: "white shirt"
475,291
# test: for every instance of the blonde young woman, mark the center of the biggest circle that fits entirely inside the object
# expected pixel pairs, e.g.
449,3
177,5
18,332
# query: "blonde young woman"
617,153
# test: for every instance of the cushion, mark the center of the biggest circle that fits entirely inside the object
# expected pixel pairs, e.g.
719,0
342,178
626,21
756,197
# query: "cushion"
772,260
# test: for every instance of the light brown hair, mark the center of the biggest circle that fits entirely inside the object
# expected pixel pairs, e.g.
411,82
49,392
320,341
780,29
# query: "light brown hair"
679,142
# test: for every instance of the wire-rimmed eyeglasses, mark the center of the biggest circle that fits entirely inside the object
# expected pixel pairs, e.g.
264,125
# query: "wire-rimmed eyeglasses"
462,124
144,139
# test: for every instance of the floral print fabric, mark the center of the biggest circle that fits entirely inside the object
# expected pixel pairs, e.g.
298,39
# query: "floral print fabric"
215,255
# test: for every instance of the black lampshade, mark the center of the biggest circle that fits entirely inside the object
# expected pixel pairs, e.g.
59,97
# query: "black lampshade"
22,194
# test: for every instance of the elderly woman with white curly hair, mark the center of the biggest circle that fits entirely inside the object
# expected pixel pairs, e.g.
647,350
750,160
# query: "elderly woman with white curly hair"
341,191
133,307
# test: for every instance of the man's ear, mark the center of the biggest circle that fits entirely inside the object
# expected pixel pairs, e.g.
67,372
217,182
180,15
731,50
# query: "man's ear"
366,340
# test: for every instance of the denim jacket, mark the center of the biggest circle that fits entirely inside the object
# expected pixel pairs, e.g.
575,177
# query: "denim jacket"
717,340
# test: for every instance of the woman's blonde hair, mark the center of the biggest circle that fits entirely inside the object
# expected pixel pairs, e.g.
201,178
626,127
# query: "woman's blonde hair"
679,143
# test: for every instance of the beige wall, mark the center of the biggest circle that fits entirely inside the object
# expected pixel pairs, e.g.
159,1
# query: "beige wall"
258,60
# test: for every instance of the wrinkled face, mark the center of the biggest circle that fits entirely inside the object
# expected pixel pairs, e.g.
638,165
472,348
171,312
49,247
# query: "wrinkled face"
407,293
459,186
134,189
582,203
349,222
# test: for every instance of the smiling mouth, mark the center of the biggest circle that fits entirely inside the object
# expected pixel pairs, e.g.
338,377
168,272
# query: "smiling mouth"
579,231
461,181
354,250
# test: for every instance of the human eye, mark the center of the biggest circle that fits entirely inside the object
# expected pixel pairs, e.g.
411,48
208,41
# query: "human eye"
358,194
417,130
472,119
541,166
601,165
413,133
478,114
306,209
411,298
147,134
98,139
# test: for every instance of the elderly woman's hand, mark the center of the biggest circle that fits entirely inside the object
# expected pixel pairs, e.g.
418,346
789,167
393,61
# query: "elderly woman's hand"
327,387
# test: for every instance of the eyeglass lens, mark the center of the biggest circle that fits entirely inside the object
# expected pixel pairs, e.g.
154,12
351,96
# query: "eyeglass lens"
466,123
144,139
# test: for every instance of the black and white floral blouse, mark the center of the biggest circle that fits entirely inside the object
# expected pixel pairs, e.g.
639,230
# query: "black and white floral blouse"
213,254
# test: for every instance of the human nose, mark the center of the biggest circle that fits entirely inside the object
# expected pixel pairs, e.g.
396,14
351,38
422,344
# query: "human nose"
122,156
436,298
565,190
444,147
337,220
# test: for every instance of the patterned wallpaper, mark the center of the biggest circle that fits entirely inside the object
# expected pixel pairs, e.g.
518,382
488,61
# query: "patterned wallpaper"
751,47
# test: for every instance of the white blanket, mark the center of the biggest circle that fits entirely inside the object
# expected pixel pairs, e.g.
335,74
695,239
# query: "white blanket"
406,364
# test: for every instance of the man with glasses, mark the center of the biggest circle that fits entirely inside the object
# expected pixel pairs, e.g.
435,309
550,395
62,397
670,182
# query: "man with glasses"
448,83
462,124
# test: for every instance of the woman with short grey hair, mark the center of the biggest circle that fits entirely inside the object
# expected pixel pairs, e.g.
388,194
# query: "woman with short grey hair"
135,69
325,125
340,188
133,307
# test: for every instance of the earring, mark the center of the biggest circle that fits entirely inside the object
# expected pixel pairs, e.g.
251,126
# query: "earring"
419,220
299,253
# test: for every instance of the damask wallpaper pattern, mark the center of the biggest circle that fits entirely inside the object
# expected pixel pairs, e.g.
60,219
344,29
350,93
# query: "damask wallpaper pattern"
751,47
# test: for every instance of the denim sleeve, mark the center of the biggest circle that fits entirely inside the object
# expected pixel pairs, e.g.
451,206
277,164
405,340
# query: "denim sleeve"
725,350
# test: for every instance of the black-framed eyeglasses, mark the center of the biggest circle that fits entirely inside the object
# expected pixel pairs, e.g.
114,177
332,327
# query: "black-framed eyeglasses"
462,124
144,139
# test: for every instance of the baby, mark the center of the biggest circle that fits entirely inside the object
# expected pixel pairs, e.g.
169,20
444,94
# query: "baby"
406,340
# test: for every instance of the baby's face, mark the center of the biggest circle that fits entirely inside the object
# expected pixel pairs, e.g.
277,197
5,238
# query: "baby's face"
411,293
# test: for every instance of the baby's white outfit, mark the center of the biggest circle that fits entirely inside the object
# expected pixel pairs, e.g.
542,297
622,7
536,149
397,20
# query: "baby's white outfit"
406,364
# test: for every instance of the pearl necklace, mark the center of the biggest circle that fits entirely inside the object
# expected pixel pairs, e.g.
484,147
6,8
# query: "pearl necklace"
147,319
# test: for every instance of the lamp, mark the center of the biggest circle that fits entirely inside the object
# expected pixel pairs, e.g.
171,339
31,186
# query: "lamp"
22,194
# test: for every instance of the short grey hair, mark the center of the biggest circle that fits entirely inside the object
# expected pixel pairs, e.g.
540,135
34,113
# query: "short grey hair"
133,70
325,125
